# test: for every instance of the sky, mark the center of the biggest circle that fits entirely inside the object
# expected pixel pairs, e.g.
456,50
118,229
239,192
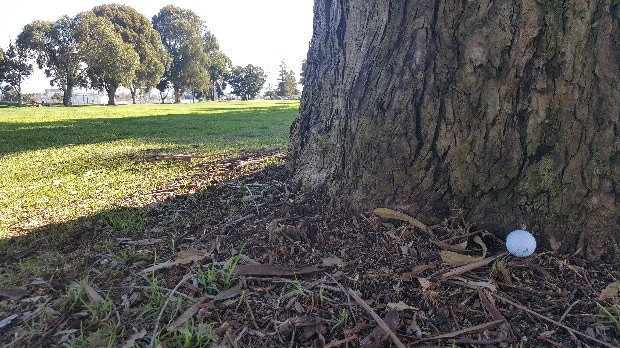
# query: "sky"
262,33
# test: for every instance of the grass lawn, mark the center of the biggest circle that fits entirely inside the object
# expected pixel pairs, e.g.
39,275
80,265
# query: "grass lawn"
59,164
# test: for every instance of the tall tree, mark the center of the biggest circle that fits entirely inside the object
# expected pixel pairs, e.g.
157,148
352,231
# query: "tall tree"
14,69
246,81
287,85
56,50
111,61
507,110
137,30
218,65
181,33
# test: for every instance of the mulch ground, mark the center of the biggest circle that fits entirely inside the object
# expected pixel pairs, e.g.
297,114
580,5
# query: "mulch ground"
306,277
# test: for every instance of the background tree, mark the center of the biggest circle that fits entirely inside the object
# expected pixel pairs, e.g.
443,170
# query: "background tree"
14,69
508,112
218,65
111,61
135,29
56,50
247,81
181,33
2,65
287,85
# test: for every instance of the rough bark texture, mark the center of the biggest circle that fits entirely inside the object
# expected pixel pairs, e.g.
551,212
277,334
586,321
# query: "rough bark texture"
506,110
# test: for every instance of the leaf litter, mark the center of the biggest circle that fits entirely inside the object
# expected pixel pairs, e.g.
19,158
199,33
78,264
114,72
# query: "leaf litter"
303,277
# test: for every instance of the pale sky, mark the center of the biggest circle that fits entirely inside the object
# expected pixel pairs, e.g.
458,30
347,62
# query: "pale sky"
261,33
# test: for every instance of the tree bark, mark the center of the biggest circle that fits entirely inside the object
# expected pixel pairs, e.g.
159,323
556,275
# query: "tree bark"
112,95
504,110
67,95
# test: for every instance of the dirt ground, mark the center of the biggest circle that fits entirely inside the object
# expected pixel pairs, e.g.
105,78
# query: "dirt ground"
301,277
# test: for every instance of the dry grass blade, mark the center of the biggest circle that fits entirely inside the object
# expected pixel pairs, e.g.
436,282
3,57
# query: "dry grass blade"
377,318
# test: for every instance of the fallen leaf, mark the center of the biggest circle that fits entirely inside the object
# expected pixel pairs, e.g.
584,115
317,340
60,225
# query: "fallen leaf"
611,291
476,284
186,316
13,293
228,293
132,340
401,306
184,257
148,241
425,283
91,292
393,214
456,259
332,261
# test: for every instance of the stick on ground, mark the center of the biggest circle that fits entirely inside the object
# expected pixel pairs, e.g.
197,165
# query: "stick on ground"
377,318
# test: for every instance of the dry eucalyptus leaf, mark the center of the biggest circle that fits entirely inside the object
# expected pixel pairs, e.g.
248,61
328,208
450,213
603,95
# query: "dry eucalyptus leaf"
401,306
332,261
425,283
393,214
456,259
184,257
611,291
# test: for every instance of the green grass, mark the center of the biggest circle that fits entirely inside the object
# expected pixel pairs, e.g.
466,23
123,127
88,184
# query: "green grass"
59,164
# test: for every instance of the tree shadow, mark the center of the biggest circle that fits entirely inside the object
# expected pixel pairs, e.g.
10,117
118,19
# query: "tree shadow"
170,218
176,129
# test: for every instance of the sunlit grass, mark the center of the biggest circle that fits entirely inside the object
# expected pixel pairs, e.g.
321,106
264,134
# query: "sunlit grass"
58,164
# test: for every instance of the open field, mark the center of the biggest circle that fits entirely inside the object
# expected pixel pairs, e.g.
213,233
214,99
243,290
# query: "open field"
58,164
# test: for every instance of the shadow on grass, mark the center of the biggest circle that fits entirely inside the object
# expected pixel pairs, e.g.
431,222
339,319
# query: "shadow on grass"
180,215
180,129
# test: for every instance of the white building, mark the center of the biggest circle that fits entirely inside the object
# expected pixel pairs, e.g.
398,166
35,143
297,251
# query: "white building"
78,98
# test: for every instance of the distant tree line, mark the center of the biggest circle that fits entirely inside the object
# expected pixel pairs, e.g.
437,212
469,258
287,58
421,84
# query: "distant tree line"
114,45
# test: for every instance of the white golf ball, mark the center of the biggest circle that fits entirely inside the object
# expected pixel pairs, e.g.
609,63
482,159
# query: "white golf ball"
520,243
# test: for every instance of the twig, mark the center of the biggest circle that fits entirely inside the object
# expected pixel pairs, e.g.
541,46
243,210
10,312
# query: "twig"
346,293
540,316
470,266
475,328
568,311
163,308
377,318
333,344
251,314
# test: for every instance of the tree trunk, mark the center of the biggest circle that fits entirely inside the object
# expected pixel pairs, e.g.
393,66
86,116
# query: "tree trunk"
505,110
134,92
177,95
67,95
112,94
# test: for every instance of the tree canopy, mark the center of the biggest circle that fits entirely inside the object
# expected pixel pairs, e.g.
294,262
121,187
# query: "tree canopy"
56,49
247,81
137,30
287,85
14,69
181,32
111,62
